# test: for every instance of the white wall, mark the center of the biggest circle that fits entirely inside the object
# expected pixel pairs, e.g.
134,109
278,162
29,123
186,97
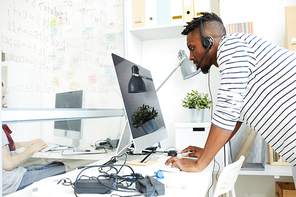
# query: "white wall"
268,16
160,56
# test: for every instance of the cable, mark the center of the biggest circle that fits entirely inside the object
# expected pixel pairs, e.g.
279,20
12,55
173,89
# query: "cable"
115,176
212,178
118,183
210,91
211,115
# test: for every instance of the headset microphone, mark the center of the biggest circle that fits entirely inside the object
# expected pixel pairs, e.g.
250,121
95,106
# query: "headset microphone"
203,57
207,42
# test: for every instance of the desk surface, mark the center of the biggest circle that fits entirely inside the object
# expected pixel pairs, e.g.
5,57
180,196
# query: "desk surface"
59,155
192,183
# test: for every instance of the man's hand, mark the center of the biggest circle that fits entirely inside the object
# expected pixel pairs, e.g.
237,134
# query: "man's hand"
195,151
36,145
184,164
27,144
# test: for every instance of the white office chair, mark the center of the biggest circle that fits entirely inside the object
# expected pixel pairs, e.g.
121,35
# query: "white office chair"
228,178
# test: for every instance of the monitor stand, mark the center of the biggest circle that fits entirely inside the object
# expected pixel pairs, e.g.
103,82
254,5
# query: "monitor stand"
75,143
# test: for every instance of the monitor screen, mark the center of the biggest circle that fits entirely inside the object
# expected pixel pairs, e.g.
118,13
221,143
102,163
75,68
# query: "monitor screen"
69,128
144,117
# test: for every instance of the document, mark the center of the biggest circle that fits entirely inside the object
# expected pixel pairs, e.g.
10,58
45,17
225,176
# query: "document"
138,13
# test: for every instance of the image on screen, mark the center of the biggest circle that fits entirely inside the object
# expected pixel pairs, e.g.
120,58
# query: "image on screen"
138,103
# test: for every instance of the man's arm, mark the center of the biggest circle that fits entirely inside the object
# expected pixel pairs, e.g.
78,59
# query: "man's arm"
217,138
10,162
197,151
27,144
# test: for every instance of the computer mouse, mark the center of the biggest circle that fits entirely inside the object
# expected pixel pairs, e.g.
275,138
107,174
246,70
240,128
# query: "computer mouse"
172,153
99,147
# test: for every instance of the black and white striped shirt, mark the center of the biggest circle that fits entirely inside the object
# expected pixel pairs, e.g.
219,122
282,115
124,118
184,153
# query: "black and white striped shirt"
258,87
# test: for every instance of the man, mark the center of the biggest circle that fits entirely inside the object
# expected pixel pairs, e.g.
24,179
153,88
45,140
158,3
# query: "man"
257,87
14,175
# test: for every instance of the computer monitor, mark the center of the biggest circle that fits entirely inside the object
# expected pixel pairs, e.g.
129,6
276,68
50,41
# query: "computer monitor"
69,128
145,98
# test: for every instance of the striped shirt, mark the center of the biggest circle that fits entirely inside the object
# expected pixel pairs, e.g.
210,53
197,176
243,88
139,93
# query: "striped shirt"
258,87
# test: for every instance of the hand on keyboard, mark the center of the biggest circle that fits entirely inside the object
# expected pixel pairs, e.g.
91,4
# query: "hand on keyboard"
49,147
168,168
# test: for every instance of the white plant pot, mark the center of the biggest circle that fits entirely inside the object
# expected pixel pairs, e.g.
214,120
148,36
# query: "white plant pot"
197,115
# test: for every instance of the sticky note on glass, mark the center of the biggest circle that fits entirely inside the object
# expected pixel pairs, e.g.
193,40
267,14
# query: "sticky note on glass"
61,61
75,61
88,30
112,78
111,37
70,74
74,85
53,32
92,78
53,21
108,72
55,81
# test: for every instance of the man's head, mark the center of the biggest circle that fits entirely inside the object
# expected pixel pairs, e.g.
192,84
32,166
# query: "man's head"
213,30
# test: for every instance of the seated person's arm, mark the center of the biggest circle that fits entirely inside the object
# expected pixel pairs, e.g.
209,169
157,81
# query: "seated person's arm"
27,143
10,162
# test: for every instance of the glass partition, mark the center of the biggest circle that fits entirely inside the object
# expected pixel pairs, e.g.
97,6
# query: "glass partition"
54,46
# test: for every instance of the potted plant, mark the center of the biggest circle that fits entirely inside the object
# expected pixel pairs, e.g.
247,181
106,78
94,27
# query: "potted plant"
145,117
196,103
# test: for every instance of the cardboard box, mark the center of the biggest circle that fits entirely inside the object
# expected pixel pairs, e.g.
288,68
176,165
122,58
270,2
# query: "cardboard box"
285,189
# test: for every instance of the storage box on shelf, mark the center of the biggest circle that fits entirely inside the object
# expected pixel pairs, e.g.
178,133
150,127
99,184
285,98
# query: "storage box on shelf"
285,189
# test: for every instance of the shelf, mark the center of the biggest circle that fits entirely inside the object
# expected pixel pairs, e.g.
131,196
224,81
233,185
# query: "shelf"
159,32
14,115
269,170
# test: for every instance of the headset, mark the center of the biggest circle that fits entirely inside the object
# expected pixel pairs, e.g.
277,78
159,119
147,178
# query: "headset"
207,42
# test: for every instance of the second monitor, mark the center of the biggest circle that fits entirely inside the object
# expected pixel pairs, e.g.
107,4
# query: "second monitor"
69,128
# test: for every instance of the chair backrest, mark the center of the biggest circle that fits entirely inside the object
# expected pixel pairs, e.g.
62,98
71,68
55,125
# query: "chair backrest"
228,177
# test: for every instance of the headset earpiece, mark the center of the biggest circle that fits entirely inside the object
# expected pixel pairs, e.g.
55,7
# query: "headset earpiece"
207,42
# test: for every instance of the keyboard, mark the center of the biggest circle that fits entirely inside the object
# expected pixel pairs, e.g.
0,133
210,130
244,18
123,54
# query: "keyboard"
83,152
50,147
168,168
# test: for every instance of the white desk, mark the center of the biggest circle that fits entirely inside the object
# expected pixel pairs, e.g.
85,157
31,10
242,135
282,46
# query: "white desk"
59,155
196,184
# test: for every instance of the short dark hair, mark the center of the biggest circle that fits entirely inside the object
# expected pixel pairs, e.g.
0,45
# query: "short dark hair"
210,20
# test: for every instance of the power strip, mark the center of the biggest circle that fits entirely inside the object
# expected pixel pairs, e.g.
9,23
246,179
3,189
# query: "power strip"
93,186
147,186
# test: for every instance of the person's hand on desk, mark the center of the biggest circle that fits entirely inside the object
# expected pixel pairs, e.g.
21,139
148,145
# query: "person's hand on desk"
36,145
194,151
28,144
185,164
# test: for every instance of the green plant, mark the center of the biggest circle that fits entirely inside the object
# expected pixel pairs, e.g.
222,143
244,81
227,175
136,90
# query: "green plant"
142,115
196,100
